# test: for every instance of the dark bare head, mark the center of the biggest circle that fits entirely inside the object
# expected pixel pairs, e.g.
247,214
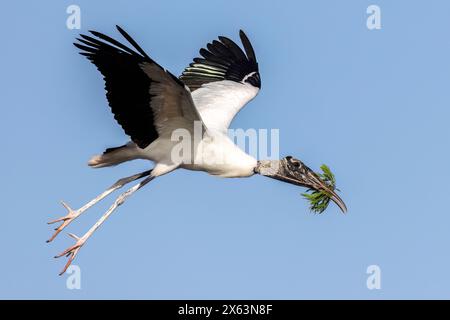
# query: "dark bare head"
294,171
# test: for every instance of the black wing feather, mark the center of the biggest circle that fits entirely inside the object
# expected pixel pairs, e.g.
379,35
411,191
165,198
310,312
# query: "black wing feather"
127,86
108,39
247,46
223,60
133,43
234,48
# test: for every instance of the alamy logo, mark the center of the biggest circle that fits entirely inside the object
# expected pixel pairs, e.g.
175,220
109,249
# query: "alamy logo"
197,147
374,278
74,279
74,19
374,18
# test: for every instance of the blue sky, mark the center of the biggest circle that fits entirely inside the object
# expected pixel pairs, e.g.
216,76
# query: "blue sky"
373,105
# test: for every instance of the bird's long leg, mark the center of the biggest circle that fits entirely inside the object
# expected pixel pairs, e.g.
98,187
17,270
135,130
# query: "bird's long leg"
73,214
72,251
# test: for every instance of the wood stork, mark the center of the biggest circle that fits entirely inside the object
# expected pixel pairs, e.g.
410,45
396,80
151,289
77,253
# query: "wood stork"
150,103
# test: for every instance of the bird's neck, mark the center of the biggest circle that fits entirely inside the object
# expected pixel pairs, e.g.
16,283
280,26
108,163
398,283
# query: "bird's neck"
267,167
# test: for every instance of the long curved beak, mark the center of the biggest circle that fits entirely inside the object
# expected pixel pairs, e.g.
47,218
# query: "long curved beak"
309,179
339,202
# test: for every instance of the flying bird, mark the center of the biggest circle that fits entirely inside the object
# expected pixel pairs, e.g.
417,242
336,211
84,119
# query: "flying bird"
150,104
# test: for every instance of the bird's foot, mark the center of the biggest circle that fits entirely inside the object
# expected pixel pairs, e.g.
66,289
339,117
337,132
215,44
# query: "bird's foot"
66,220
72,251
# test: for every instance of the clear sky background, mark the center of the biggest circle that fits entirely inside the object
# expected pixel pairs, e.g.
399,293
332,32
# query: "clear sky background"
373,105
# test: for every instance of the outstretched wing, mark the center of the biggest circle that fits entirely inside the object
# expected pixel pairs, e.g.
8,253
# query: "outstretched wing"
223,80
145,99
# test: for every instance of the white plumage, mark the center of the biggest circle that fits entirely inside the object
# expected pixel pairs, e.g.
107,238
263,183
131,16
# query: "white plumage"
219,102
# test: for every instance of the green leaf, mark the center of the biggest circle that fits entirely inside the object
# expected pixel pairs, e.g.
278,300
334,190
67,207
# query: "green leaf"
319,200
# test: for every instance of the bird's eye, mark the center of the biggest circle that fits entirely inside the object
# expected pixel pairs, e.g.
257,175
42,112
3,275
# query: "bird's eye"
296,163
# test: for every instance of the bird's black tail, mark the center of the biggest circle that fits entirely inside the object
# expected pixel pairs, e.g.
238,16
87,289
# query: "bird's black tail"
115,156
